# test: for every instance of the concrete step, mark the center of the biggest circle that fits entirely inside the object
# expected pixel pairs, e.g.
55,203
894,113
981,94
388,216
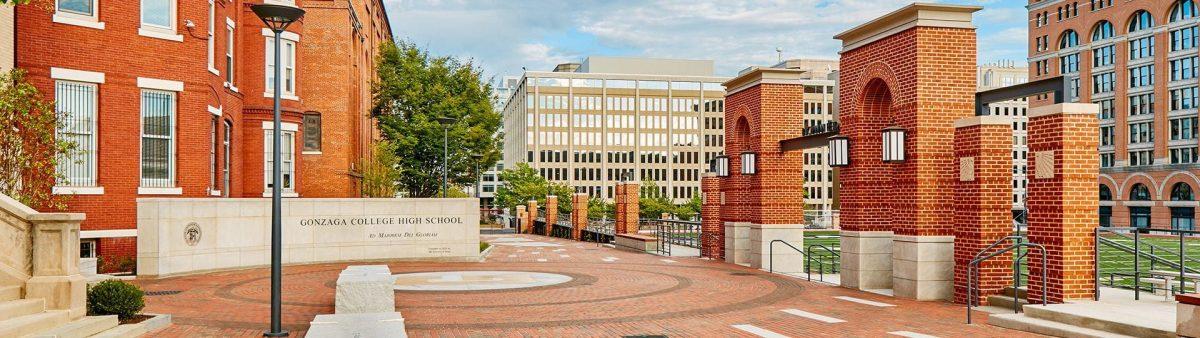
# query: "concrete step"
1006,302
10,292
15,308
28,324
1025,323
1102,320
1022,292
81,328
122,331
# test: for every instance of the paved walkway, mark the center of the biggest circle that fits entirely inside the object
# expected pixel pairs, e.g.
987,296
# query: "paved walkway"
612,293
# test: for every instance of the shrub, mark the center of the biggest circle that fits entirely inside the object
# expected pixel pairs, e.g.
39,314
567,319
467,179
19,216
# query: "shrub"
115,297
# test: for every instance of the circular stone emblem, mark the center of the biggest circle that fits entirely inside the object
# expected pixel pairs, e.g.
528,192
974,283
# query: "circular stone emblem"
476,280
191,234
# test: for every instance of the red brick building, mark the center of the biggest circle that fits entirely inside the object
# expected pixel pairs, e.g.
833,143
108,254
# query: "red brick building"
171,98
1138,61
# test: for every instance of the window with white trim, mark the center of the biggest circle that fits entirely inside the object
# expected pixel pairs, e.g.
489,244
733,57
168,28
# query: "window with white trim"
158,139
289,67
214,167
158,18
229,53
81,8
212,34
287,157
227,151
76,101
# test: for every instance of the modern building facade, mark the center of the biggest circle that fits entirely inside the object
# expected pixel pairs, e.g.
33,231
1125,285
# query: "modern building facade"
1003,74
1138,61
180,103
609,119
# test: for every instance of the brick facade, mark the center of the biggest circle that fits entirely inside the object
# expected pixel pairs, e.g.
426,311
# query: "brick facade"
982,151
1062,205
531,214
712,245
627,209
551,213
49,48
579,215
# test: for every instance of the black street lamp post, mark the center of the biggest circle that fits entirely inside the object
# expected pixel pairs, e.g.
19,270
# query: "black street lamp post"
478,174
446,122
277,18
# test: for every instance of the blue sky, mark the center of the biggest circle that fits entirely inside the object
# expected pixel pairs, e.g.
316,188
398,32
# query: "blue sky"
503,36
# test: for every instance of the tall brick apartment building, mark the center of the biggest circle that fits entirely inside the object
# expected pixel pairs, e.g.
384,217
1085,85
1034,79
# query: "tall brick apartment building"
172,98
1138,61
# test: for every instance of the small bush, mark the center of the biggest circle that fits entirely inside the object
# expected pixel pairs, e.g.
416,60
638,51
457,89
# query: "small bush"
115,297
483,246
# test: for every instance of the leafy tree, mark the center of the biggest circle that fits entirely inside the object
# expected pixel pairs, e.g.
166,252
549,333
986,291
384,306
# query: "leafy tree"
380,171
599,208
523,183
651,201
29,151
690,209
414,90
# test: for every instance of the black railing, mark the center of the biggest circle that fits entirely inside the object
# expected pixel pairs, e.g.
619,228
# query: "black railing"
1144,248
833,258
983,255
683,233
599,230
771,255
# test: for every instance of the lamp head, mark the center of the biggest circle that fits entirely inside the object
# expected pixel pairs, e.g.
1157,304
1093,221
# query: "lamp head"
277,17
445,121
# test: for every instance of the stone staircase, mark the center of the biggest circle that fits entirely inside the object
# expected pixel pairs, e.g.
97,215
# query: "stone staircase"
1079,318
28,317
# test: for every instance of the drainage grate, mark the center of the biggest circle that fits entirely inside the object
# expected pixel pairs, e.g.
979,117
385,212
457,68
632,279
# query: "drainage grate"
163,293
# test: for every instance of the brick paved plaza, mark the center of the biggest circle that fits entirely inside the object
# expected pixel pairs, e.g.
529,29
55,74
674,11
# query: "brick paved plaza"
613,293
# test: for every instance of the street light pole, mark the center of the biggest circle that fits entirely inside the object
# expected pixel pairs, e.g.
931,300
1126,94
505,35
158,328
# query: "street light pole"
445,121
277,18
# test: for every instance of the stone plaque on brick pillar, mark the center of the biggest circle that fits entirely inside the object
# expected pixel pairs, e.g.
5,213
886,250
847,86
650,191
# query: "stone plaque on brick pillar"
898,72
1062,204
982,204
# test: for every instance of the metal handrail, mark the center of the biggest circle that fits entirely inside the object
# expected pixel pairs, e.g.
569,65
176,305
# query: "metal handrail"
1137,254
808,259
973,267
771,253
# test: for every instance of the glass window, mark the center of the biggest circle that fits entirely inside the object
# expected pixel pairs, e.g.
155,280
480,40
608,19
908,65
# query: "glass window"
81,7
212,21
212,154
1184,38
312,131
77,103
1139,193
1183,155
158,13
289,66
1103,30
1183,98
1105,193
1183,128
1141,76
1069,39
1103,56
1141,47
1068,64
1183,10
1141,104
1141,132
158,138
1183,69
226,156
1140,20
229,53
1181,192
1107,111
1139,217
287,156
1103,83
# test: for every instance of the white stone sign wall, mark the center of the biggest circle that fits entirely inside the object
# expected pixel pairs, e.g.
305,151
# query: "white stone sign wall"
181,235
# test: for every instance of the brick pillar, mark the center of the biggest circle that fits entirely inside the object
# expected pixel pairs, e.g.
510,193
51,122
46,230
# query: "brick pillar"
551,213
712,240
982,201
1062,203
627,208
579,215
619,208
521,216
531,214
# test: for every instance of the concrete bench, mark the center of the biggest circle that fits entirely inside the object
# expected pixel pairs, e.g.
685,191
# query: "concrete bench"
365,289
386,324
635,242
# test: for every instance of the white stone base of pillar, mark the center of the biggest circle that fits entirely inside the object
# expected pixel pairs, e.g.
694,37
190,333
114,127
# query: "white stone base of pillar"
923,267
777,257
737,243
866,260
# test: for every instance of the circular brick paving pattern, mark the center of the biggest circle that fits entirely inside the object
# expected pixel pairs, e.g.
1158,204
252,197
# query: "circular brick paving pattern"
476,280
609,293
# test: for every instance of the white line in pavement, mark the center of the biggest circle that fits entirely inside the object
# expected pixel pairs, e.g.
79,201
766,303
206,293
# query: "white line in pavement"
512,256
863,301
537,252
565,256
813,316
911,334
667,260
611,258
559,250
541,259
758,331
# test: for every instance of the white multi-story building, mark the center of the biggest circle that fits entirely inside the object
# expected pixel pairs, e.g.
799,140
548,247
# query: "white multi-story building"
1004,74
592,124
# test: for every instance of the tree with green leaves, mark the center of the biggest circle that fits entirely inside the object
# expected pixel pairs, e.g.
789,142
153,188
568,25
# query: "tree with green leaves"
523,183
599,208
380,171
690,209
415,90
29,149
652,203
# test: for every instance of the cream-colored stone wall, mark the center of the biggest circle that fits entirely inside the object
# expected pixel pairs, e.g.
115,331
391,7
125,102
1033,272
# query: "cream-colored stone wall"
15,242
235,233
7,38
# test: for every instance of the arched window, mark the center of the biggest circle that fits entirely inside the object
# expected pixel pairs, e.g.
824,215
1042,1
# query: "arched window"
1139,193
1141,20
1103,30
1183,10
1105,193
1181,192
1069,39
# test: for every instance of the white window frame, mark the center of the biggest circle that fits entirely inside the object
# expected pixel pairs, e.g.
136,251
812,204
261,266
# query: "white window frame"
289,131
96,79
214,188
212,38
174,88
161,32
289,39
91,186
82,20
230,61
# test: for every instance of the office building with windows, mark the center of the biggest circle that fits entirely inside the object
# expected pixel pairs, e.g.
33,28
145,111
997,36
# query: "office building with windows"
592,124
999,75
173,98
1137,60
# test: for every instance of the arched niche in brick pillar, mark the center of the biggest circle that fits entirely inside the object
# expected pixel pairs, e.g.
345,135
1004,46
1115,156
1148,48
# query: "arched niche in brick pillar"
913,68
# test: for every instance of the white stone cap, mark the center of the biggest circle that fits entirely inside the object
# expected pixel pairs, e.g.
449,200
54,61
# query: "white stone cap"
983,120
913,15
761,75
1065,108
873,233
924,239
